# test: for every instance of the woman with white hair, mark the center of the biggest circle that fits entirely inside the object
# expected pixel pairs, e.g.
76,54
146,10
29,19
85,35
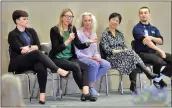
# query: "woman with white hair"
97,67
11,91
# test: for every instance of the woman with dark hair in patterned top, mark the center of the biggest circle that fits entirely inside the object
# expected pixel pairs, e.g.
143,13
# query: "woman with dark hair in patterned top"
121,58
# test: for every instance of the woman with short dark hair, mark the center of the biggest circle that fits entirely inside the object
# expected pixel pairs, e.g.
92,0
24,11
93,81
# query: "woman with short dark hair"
25,54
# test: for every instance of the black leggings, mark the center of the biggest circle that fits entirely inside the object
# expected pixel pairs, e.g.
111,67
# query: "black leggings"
79,69
38,62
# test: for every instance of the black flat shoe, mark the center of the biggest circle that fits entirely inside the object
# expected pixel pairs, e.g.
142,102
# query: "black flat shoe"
65,77
42,102
85,97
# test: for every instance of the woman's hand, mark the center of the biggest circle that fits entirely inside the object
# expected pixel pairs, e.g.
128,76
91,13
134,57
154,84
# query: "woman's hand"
25,49
33,47
93,40
98,59
71,36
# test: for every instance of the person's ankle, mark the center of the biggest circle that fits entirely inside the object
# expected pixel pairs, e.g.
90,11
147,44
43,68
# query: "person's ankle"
42,97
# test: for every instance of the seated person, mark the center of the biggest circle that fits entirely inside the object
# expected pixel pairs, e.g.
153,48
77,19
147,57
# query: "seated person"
25,54
63,38
90,55
121,58
147,37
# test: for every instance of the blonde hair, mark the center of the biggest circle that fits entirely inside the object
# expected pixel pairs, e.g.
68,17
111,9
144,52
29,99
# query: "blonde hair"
79,23
11,91
59,25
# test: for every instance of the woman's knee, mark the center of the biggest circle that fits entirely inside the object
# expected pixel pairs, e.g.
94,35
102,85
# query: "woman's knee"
75,67
160,62
105,63
94,63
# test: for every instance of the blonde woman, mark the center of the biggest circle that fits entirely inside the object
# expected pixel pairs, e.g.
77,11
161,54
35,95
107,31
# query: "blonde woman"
11,91
97,66
63,38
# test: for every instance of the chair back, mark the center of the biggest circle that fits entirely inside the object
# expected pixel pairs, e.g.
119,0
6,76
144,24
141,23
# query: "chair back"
133,44
102,52
46,47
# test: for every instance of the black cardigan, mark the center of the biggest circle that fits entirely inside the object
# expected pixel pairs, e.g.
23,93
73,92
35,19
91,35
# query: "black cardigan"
16,41
58,42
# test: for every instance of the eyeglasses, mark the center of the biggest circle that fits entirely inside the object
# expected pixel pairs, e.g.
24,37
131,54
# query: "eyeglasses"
68,16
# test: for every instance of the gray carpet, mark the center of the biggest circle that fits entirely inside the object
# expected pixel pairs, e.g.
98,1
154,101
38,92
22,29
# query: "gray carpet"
114,99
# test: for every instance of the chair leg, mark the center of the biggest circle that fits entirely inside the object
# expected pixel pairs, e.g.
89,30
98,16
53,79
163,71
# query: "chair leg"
140,81
28,88
107,86
66,87
60,87
33,89
151,68
121,85
100,86
54,95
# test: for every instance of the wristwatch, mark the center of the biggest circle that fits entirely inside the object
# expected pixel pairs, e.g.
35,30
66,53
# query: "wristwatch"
87,43
29,46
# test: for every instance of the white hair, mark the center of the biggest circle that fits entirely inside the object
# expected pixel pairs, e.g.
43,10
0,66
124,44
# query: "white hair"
94,21
11,91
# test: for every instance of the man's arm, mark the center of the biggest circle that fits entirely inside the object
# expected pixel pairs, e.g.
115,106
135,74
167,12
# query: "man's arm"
150,44
158,39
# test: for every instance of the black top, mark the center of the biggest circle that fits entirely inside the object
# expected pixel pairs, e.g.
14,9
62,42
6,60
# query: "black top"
58,42
16,41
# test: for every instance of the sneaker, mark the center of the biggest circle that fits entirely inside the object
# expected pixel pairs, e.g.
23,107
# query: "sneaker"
162,83
93,92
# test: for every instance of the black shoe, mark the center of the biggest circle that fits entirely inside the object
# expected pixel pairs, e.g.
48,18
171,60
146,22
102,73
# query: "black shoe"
162,83
65,77
157,85
85,97
42,102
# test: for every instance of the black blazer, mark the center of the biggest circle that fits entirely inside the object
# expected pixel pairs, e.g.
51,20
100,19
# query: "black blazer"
58,42
16,40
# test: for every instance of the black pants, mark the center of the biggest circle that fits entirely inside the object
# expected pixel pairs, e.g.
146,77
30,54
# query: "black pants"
157,61
78,68
38,62
133,76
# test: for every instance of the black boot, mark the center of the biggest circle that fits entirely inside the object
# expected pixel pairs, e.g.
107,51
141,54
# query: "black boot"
149,74
133,76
